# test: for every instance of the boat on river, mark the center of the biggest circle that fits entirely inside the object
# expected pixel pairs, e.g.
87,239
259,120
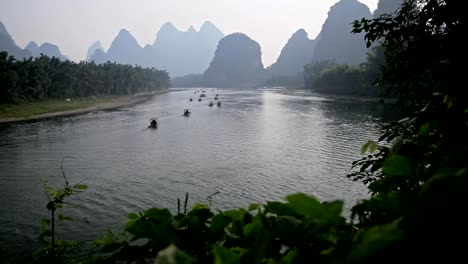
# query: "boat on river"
153,123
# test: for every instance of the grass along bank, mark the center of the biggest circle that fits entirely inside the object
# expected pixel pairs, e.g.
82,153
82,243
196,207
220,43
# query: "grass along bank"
52,108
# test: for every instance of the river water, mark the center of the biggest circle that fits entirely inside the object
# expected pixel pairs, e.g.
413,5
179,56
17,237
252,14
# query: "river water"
259,145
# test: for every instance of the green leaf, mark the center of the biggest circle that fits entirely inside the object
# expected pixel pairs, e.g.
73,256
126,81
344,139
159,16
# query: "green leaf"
286,227
133,216
279,208
199,206
375,240
253,206
62,217
370,146
333,209
304,204
364,148
219,222
225,256
424,130
252,228
290,257
80,187
160,215
237,214
136,228
397,165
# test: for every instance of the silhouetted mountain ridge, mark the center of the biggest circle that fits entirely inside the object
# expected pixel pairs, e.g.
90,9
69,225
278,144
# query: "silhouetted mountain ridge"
8,44
237,63
335,41
47,49
178,52
387,7
91,50
297,52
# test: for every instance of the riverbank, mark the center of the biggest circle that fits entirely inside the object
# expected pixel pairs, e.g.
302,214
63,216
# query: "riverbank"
55,108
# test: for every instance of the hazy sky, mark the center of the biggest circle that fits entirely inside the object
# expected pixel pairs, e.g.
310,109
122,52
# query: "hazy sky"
74,25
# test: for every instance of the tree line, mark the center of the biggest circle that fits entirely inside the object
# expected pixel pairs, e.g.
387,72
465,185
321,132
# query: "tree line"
43,78
326,76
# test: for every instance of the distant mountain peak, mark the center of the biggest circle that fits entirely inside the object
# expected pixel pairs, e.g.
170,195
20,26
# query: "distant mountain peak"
92,49
97,43
168,26
207,25
125,36
124,32
300,33
192,29
210,27
297,52
32,46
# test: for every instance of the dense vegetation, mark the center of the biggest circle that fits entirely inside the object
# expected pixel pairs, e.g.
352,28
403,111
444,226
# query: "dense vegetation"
416,173
45,78
328,77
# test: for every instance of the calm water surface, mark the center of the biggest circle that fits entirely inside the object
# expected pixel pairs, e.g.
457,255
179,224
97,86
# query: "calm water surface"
259,145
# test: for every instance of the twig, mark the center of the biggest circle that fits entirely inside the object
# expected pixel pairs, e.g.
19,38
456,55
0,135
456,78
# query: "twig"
185,204
210,198
61,168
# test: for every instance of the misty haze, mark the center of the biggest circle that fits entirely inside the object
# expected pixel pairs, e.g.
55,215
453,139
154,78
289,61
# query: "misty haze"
224,131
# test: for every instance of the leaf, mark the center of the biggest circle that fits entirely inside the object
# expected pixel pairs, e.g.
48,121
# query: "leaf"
424,130
225,256
199,206
290,257
372,146
136,228
253,206
397,165
219,222
133,216
304,204
251,229
364,148
160,215
279,208
376,239
237,214
173,255
334,208
62,217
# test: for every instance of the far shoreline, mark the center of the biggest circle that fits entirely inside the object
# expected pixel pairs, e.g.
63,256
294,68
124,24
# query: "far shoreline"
115,103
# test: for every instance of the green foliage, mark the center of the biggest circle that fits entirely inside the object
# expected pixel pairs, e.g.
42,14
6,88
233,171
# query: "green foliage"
420,179
47,78
279,232
55,250
329,77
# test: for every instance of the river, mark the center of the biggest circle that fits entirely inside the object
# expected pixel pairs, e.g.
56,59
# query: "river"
259,145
